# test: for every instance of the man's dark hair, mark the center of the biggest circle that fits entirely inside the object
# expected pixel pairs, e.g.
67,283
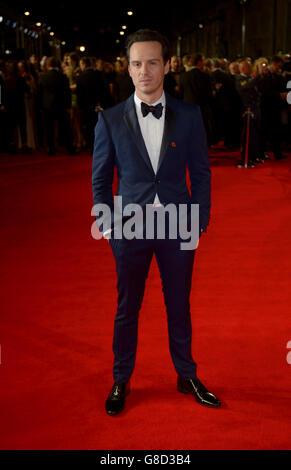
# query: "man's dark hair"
197,58
52,62
74,57
93,61
86,61
244,59
147,35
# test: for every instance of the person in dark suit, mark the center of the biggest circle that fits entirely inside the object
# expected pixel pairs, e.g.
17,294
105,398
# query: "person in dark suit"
151,139
91,94
195,88
226,106
272,87
123,83
172,79
55,97
249,94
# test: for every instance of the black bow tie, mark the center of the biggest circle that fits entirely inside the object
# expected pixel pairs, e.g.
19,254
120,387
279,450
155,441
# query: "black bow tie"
156,110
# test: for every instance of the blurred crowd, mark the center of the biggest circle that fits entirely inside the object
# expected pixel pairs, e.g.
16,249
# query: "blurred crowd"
47,104
243,102
54,105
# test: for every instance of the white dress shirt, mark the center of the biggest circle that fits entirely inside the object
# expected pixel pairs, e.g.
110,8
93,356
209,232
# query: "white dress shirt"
152,130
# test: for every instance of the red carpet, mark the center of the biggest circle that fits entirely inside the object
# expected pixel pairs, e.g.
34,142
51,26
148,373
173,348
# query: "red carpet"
58,303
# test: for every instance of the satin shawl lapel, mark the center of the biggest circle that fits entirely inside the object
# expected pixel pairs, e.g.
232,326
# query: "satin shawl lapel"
170,118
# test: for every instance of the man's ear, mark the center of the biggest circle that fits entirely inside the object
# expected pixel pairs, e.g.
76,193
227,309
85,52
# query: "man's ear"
167,67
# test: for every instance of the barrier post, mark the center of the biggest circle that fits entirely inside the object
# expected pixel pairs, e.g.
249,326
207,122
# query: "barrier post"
247,115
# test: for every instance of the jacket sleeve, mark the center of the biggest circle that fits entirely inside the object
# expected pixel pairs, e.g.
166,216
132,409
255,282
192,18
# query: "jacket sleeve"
102,172
199,171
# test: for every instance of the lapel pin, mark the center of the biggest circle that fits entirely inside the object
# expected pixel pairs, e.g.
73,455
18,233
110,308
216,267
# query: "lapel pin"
173,144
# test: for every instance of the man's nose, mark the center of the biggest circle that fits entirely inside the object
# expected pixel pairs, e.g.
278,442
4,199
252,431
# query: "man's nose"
144,68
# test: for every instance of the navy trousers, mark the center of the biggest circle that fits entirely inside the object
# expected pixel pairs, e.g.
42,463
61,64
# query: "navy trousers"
133,258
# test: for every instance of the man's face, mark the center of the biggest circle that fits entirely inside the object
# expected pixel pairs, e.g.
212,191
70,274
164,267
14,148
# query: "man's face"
234,68
99,65
33,59
175,63
200,63
21,68
276,66
147,68
245,67
224,64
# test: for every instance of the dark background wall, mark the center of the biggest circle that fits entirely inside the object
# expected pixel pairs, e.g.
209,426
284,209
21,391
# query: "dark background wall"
267,26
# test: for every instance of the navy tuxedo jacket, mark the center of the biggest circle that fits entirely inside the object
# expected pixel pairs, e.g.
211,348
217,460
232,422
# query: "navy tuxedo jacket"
119,142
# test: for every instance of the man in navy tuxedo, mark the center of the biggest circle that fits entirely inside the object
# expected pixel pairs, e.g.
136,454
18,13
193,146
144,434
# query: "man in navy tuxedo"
151,139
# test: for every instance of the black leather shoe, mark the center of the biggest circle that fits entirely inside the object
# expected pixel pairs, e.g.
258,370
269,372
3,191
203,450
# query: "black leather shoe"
199,391
116,399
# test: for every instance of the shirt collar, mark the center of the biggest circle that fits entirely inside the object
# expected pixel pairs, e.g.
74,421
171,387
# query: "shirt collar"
161,100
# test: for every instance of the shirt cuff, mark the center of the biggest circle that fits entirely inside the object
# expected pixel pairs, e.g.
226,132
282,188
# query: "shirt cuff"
107,234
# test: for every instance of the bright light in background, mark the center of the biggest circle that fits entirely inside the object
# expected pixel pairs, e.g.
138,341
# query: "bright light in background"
124,27
38,23
130,13
27,13
121,33
82,48
201,26
117,41
52,33
63,43
1,19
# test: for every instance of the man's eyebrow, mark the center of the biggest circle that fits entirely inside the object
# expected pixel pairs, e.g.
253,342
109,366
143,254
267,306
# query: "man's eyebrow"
149,60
